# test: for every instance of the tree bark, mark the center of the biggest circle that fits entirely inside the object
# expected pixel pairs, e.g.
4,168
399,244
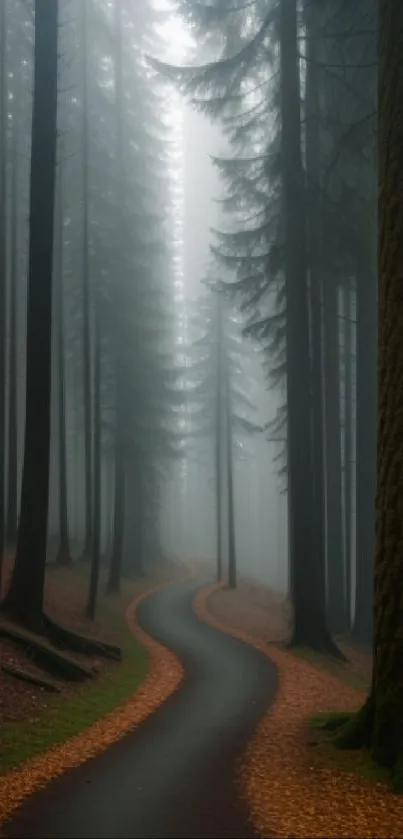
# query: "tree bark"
309,618
120,453
3,259
12,471
348,400
336,599
314,239
24,600
87,383
63,556
96,524
379,724
366,318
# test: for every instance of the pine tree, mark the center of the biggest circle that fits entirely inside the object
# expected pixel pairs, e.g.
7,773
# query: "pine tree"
24,599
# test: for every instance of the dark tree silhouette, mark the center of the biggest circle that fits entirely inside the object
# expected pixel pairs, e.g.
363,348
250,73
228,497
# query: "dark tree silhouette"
378,725
24,599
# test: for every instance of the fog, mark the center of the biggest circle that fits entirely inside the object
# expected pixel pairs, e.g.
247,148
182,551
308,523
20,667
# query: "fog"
201,418
260,493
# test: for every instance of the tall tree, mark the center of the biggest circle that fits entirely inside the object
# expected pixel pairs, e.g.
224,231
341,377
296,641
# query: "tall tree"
347,439
96,524
232,564
24,599
306,573
63,556
3,258
86,295
218,438
12,473
378,725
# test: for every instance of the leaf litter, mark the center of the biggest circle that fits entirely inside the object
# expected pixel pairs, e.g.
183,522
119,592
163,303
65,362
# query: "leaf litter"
164,676
289,793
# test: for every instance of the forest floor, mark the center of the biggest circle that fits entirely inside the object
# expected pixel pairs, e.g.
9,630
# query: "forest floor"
296,783
31,718
266,615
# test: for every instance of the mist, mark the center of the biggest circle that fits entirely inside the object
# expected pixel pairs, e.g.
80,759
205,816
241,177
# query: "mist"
201,455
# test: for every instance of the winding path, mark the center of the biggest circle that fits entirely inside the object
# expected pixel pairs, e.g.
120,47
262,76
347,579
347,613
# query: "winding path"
174,775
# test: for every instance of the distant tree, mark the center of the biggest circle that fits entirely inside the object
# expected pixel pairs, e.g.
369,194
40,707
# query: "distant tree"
218,408
24,600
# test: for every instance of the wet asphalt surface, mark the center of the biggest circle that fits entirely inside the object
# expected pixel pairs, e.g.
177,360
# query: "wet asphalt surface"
174,776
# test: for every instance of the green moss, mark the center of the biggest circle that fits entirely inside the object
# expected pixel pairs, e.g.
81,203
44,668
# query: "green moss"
324,750
68,716
330,721
397,777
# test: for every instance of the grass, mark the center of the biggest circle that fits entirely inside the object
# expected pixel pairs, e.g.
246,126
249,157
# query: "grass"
70,715
339,669
356,761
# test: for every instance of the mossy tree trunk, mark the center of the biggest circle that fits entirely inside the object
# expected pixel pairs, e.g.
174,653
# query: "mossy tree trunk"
379,724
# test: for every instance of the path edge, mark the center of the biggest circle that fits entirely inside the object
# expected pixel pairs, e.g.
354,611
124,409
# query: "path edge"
201,610
164,676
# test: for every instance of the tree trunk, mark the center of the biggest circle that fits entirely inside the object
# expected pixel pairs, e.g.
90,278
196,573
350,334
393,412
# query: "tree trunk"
348,391
120,453
309,618
115,572
232,569
365,444
314,239
24,599
336,600
12,472
218,439
134,551
63,556
87,384
96,525
379,724
3,259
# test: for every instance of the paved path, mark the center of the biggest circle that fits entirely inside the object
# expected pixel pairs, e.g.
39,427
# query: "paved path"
174,775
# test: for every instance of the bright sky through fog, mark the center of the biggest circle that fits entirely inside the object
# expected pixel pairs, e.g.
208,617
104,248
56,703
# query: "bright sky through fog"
177,42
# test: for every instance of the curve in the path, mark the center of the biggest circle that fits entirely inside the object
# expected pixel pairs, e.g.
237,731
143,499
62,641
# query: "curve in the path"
174,776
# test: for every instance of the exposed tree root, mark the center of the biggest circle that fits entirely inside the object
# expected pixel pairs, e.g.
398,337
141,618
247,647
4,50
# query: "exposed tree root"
80,643
335,721
356,733
30,678
37,649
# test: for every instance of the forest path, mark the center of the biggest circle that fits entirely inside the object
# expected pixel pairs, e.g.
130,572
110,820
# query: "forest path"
174,775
